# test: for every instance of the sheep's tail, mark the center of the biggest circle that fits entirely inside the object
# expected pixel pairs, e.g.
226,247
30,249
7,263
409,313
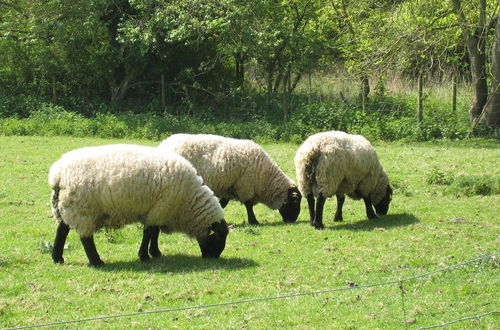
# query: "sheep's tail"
55,204
54,178
306,162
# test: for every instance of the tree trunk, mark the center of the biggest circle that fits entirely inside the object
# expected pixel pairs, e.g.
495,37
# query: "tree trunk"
491,115
239,69
478,69
163,94
119,87
270,75
476,47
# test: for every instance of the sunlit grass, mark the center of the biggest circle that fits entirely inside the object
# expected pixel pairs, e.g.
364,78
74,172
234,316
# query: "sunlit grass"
427,228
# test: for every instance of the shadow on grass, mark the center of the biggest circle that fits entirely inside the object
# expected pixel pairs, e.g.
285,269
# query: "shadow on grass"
178,264
268,224
386,222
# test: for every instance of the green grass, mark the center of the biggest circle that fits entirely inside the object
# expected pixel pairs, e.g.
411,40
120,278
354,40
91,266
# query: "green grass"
427,228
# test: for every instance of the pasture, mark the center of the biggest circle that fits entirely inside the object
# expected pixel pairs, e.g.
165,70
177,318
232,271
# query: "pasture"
438,218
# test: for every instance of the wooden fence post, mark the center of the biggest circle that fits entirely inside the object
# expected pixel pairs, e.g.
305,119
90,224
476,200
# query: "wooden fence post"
420,110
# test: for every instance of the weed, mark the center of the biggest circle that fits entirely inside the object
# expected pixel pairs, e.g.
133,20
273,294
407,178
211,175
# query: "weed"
472,185
439,177
45,247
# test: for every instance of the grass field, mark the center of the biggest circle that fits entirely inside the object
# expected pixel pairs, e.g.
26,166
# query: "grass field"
436,220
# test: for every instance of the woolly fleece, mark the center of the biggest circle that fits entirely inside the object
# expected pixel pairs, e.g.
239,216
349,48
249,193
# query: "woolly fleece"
335,162
114,185
233,168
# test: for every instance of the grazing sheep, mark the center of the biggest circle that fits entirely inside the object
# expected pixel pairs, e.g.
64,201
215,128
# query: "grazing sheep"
238,169
114,185
336,163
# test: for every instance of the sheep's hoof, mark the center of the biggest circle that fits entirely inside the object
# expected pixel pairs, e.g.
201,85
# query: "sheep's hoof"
96,264
144,258
253,223
319,226
338,219
59,261
155,254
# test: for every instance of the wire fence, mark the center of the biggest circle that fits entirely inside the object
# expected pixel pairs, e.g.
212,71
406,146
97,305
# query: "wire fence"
477,317
287,296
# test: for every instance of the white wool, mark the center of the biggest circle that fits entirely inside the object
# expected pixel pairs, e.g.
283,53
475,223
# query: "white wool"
233,168
113,185
335,162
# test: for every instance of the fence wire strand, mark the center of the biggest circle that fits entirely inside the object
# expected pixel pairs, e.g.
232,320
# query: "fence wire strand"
286,296
478,317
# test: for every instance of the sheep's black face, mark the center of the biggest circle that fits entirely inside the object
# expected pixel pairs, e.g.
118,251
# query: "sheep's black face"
291,209
214,243
383,206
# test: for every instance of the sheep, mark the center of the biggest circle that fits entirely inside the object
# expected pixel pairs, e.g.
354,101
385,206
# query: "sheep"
114,185
238,169
338,163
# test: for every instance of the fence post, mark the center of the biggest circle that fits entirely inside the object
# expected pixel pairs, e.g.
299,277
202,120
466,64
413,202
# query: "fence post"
420,110
454,94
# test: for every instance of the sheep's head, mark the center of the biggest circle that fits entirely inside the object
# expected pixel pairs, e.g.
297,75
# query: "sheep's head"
291,209
383,206
214,242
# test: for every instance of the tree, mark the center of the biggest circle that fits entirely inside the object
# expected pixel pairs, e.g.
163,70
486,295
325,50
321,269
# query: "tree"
491,114
475,38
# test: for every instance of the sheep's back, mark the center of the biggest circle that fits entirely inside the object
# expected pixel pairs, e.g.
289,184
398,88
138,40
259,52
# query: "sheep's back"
222,162
118,184
334,162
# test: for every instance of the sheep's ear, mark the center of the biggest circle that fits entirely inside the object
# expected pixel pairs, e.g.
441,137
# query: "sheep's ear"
294,192
389,191
219,228
213,229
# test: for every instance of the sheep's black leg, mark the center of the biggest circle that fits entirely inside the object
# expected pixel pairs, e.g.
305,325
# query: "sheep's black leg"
318,219
223,202
91,251
369,209
310,205
143,249
251,216
340,204
154,251
57,250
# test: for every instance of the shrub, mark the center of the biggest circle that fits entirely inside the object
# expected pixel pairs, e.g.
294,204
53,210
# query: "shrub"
472,185
388,118
438,177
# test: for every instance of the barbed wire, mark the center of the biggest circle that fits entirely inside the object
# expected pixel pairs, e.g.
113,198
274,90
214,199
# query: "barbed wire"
479,316
286,296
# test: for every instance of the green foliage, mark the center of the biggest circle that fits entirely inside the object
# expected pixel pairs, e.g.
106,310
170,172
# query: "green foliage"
439,177
464,185
472,185
389,119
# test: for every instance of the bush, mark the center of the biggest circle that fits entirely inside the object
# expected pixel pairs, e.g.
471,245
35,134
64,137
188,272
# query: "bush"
438,177
472,185
389,118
